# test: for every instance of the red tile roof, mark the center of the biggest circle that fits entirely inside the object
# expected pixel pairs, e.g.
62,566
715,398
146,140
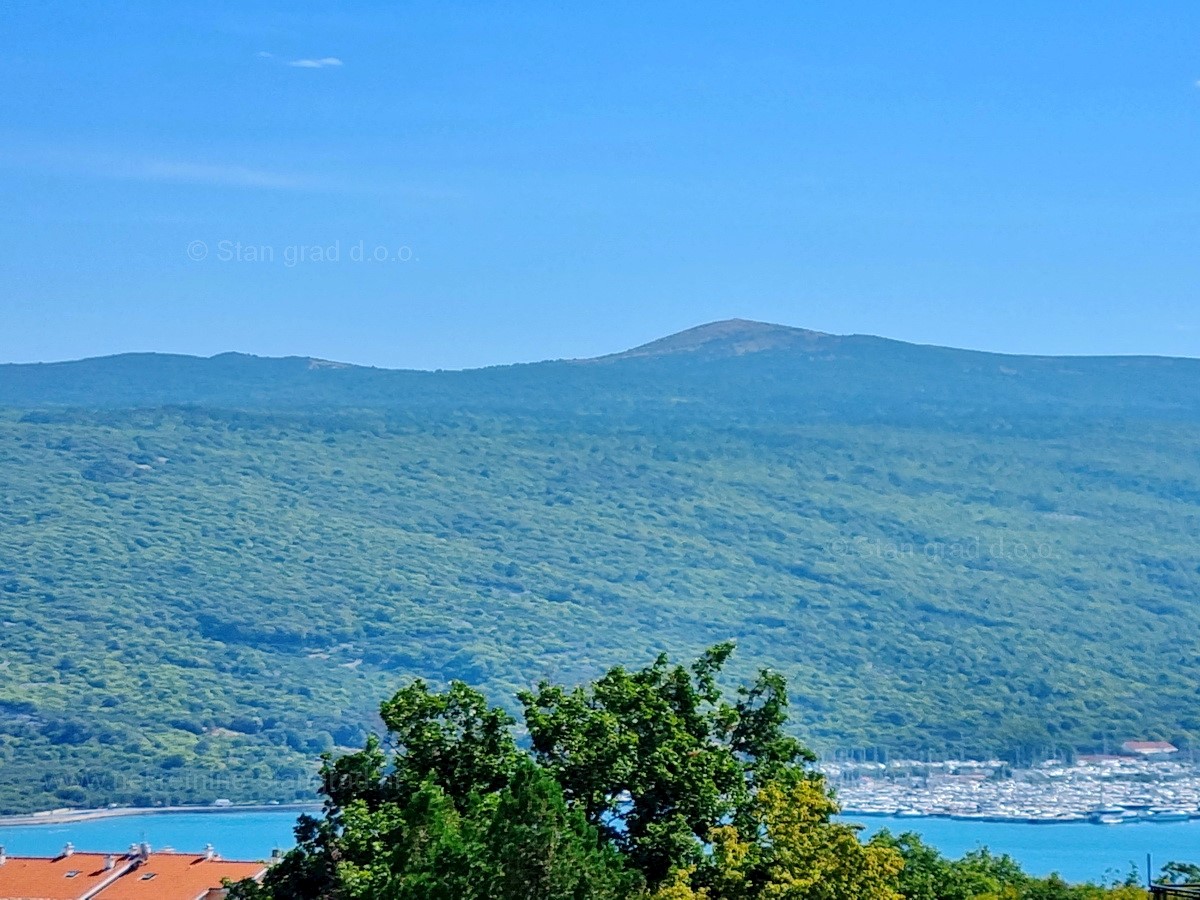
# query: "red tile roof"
178,876
63,878
1148,747
82,876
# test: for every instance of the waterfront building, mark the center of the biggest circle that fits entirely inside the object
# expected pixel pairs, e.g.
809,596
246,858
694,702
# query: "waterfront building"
1149,749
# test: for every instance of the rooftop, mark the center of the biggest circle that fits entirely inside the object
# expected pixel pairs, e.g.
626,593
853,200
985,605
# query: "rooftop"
65,877
134,875
1149,747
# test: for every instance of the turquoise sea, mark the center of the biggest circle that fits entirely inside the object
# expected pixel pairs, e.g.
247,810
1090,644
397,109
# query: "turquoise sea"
1078,851
235,835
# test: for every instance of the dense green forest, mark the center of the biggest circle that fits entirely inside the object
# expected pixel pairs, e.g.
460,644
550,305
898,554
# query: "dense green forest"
209,569
653,784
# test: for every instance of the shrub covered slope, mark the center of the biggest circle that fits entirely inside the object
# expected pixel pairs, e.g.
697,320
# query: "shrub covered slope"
210,568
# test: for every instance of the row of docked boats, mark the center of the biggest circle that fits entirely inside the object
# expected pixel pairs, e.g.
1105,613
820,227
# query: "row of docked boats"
1104,816
1106,792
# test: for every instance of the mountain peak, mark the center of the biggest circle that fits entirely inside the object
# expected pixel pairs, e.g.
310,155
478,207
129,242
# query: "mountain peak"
730,337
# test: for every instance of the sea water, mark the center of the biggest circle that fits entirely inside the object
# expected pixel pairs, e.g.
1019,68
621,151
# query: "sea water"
1078,852
234,835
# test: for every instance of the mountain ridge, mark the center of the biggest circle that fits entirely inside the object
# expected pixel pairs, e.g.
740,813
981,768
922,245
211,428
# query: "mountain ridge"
728,337
730,368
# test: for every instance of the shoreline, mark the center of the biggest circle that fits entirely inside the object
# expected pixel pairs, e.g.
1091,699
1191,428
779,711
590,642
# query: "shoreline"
69,816
1011,820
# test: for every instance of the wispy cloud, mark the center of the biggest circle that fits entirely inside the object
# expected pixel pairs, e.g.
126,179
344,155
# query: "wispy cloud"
218,174
324,62
158,169
153,168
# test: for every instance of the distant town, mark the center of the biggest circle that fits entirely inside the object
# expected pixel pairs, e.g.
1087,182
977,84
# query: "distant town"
1147,781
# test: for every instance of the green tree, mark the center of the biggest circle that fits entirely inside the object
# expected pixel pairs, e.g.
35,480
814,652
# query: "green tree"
452,738
926,874
520,843
1179,873
658,759
645,785
411,851
982,875
451,809
535,848
792,850
305,873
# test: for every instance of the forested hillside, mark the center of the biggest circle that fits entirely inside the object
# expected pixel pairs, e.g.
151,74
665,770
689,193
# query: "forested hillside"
211,569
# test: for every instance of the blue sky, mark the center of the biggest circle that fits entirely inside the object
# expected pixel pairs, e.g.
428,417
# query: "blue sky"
549,180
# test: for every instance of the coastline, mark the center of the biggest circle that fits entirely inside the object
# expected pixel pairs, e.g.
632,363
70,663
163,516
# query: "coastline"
67,816
1014,820
253,832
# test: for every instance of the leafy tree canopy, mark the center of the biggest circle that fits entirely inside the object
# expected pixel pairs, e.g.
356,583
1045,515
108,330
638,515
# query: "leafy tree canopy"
644,785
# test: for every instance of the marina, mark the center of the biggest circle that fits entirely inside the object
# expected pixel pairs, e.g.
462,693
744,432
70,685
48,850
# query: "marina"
1098,790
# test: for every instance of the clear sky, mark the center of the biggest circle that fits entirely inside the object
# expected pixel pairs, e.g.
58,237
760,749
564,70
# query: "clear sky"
568,179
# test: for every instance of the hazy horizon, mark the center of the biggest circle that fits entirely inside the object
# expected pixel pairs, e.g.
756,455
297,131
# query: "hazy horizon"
400,188
615,350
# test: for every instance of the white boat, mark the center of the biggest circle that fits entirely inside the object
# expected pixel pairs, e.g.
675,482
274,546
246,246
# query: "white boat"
1168,815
